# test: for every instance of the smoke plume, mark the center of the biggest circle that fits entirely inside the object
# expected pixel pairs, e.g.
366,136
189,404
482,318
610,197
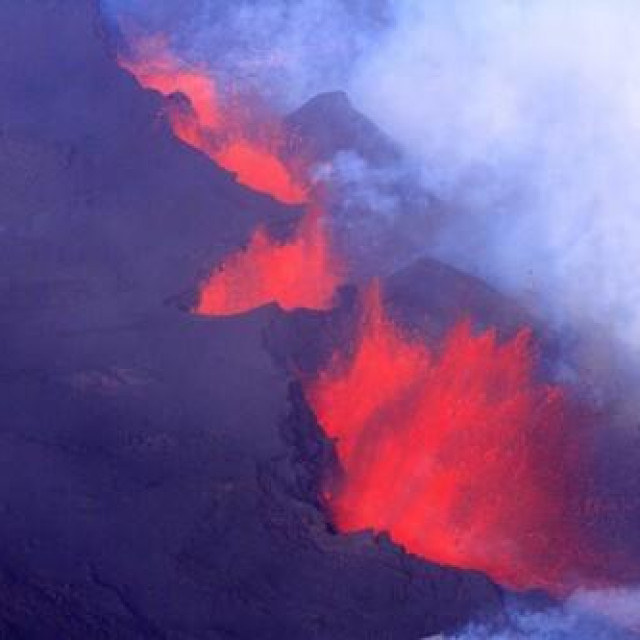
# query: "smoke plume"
526,115
597,615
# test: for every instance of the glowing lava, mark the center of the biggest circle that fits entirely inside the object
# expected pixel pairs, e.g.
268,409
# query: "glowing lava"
460,454
298,273
301,272
218,128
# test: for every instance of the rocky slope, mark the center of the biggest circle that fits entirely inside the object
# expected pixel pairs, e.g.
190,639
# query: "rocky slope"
159,470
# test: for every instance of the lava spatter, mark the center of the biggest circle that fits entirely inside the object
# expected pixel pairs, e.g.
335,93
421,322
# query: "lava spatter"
459,452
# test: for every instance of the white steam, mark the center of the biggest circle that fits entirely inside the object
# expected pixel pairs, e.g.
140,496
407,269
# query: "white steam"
527,116
594,615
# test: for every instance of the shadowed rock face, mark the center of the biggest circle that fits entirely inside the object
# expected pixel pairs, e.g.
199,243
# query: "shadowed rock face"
381,217
426,298
159,472
92,178
349,130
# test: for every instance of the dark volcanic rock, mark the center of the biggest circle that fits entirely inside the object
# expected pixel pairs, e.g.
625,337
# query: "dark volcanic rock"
427,298
92,180
158,472
328,124
432,296
381,218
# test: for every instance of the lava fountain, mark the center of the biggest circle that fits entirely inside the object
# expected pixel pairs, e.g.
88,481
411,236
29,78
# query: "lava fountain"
459,453
300,272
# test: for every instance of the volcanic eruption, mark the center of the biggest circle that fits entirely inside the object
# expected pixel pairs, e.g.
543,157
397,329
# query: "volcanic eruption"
223,130
301,271
463,448
460,452
405,439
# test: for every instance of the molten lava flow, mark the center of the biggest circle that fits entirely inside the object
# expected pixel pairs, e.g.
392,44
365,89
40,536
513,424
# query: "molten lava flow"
250,149
458,453
298,273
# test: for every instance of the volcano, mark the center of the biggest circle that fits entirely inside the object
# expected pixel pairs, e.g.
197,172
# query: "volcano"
169,462
153,484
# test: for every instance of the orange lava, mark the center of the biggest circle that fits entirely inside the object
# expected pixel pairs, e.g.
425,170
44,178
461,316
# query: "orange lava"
221,130
298,273
301,272
460,454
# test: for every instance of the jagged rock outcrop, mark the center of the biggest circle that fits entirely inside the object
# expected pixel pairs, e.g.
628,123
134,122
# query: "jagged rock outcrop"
328,124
